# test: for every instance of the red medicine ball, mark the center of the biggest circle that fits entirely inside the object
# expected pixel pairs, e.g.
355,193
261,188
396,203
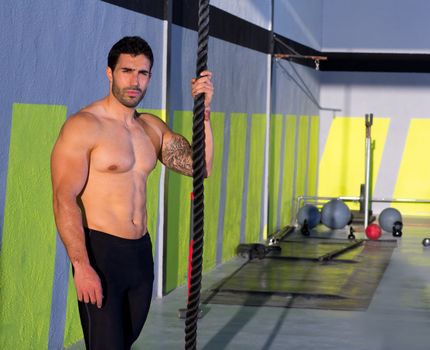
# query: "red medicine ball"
373,231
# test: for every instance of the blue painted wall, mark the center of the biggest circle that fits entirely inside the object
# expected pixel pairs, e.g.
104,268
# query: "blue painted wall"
258,12
300,20
376,26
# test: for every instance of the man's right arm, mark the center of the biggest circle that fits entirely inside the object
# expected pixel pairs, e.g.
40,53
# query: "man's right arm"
69,170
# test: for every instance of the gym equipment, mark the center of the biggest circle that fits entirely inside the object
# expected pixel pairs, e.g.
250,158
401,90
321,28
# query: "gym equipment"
308,274
368,122
280,235
426,242
199,172
358,215
390,220
373,232
308,217
351,233
397,229
332,255
335,214
355,199
182,313
252,251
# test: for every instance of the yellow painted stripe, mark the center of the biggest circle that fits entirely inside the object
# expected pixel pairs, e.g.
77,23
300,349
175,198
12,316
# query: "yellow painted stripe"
342,162
414,173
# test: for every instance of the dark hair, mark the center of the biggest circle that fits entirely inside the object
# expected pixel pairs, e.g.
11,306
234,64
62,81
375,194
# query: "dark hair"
132,45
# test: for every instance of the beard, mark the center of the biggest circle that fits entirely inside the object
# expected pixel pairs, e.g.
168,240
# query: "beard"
123,97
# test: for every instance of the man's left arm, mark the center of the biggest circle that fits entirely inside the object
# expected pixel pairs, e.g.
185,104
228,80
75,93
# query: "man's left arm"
176,151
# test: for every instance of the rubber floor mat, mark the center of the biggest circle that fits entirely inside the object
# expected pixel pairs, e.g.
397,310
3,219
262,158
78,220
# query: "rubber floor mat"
296,278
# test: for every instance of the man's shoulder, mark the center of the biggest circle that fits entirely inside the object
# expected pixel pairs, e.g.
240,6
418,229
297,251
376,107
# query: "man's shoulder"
81,125
87,116
153,122
151,119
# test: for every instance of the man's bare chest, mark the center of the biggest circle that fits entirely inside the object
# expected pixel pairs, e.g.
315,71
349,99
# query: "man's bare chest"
121,151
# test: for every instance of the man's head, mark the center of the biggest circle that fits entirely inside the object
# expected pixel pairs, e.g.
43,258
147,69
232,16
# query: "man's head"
132,45
129,70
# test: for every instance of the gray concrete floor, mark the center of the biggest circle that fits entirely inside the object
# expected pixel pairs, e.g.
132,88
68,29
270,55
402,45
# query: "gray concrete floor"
398,317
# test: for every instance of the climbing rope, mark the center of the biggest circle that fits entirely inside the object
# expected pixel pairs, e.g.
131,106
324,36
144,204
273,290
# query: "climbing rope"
199,172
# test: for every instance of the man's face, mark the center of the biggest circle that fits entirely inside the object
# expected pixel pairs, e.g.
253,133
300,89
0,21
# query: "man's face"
130,79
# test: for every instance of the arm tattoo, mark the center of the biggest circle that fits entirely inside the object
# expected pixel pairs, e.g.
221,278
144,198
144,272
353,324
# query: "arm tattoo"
176,155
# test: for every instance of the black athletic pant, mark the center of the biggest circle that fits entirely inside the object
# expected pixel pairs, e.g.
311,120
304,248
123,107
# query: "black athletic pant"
126,270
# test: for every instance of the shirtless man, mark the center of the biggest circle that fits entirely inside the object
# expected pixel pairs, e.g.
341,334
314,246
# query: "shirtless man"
100,164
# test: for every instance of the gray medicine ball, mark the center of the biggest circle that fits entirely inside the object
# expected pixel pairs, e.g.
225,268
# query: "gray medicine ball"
388,217
311,214
335,214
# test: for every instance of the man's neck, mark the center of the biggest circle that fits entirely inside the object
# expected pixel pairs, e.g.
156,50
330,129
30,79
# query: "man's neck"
117,110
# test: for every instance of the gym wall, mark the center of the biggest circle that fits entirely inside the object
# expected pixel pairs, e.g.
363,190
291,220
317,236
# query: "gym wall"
258,12
401,125
242,143
300,20
375,26
294,140
294,122
242,115
399,102
53,63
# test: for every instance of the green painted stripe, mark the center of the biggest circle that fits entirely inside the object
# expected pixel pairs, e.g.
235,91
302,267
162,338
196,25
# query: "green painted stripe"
274,164
313,156
288,180
28,252
152,184
213,193
302,149
178,205
256,172
152,202
236,165
178,213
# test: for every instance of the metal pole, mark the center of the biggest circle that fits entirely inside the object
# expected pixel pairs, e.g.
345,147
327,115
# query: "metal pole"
400,200
371,200
368,123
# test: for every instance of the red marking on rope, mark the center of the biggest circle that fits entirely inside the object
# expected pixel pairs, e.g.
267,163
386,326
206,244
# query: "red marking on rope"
192,196
190,267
